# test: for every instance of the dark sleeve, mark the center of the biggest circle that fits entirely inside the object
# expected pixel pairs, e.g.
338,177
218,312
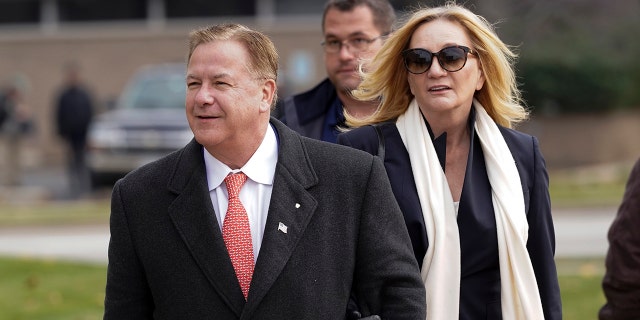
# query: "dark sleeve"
4,114
387,277
59,114
541,242
127,293
285,106
89,105
621,283
278,111
353,139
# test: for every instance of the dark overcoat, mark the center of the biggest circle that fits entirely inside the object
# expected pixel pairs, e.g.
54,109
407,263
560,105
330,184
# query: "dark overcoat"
167,258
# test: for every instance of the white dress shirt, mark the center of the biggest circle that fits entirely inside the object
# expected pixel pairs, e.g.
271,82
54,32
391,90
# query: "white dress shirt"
255,195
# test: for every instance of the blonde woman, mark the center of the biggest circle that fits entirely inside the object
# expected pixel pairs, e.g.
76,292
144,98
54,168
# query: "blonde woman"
473,191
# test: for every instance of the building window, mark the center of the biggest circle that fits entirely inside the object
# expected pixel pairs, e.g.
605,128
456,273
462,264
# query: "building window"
306,7
19,11
98,10
208,8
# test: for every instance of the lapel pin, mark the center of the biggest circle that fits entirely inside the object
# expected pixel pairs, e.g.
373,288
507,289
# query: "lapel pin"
297,205
282,227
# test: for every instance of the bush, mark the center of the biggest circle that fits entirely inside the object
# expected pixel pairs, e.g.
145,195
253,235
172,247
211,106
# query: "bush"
556,87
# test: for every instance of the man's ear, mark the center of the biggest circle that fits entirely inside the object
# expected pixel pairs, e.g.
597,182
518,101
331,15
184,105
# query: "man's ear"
268,94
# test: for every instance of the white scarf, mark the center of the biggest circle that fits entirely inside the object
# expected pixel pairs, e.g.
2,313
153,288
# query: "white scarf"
441,265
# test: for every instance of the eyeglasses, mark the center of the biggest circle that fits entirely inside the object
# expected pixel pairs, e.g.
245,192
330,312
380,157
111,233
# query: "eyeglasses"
451,59
354,45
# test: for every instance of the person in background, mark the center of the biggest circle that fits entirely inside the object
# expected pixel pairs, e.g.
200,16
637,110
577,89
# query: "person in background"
74,111
621,282
473,191
353,30
16,124
245,222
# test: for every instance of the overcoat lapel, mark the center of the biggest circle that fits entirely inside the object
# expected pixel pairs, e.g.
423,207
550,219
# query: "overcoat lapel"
193,216
290,210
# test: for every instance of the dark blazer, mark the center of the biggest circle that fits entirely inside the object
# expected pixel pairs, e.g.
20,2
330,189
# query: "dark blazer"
480,273
167,259
305,112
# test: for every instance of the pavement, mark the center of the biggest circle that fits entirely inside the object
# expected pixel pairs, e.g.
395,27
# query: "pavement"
70,243
580,233
82,243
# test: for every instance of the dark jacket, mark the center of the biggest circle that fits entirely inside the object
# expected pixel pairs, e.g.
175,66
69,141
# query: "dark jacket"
480,273
305,113
74,112
167,258
621,283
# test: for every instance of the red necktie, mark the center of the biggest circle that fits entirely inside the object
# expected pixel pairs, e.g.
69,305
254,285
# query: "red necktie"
237,234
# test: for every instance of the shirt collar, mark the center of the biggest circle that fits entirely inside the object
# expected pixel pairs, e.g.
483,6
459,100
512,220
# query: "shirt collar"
260,168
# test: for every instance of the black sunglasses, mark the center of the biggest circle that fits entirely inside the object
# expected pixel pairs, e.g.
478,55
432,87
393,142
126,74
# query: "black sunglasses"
451,59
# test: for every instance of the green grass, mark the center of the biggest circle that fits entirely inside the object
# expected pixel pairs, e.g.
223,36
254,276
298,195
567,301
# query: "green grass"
569,194
582,296
597,186
55,213
52,290
581,287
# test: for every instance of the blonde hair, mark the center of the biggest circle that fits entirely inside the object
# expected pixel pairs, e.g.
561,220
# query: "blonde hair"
387,79
262,52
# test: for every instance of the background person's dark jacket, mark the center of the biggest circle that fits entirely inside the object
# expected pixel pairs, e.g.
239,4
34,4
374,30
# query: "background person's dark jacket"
621,283
74,111
305,113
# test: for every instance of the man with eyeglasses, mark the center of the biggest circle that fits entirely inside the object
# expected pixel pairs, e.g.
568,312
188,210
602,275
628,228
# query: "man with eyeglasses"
353,30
